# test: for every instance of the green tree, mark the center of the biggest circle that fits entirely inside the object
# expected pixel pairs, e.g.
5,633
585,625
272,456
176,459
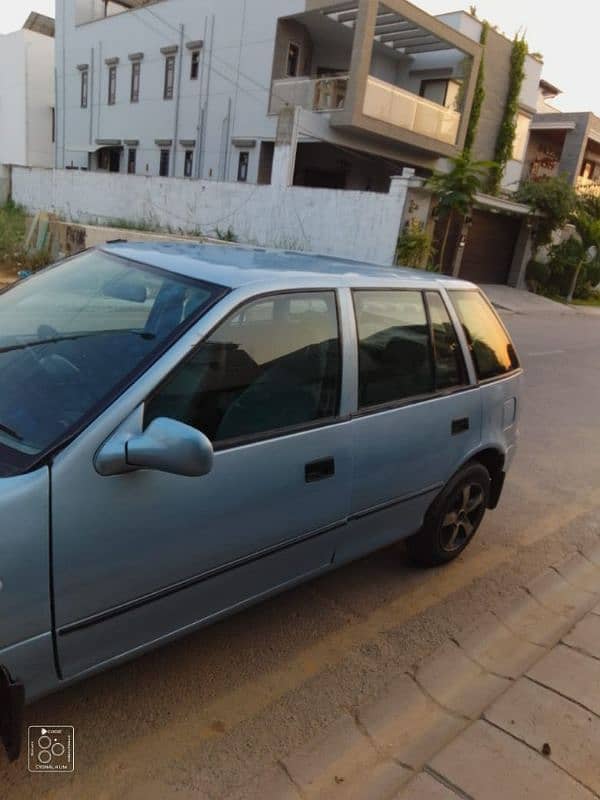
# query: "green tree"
587,226
415,246
455,191
554,200
506,133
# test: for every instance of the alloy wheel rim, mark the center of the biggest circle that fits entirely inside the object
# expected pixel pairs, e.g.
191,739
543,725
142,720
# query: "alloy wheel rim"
463,515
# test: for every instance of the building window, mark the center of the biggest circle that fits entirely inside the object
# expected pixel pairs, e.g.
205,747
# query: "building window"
165,159
85,82
243,167
131,159
188,164
293,60
169,77
195,67
135,81
443,92
521,137
112,85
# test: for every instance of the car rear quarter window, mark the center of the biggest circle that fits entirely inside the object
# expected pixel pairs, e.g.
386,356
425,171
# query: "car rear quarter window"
394,351
492,350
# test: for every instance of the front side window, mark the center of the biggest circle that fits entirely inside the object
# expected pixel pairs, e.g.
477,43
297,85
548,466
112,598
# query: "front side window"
272,366
165,159
493,352
85,82
395,360
112,85
450,370
169,77
136,68
74,335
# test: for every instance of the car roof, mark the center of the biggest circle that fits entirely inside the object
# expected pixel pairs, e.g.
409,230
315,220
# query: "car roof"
235,266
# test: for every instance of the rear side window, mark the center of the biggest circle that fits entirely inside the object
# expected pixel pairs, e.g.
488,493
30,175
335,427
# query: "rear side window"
493,352
395,360
273,365
450,370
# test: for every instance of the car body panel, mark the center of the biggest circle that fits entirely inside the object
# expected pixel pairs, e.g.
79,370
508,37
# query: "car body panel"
403,457
137,559
24,557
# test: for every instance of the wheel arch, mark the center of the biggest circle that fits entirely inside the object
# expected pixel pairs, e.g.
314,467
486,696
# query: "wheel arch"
493,459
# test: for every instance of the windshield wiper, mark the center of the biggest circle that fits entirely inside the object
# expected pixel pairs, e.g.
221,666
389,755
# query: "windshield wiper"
73,337
11,433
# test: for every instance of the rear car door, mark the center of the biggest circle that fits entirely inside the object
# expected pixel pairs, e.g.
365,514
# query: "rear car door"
418,413
141,556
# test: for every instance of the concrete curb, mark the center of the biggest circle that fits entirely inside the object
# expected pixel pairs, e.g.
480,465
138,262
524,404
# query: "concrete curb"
373,752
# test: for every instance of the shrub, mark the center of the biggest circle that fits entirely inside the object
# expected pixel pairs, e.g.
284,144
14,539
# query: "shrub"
415,246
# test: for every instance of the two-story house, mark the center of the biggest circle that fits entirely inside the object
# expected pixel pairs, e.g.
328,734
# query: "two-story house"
564,144
317,93
196,88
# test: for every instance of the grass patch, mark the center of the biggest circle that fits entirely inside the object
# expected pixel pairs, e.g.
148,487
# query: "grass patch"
589,301
13,258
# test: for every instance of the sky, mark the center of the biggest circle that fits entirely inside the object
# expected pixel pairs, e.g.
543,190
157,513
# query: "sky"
566,34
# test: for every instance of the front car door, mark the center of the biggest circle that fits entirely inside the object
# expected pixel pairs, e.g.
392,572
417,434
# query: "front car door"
140,556
419,413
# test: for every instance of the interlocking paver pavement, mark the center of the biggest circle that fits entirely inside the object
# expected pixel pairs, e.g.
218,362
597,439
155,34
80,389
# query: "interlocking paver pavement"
539,716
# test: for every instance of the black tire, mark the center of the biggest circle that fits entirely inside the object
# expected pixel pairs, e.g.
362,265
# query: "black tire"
453,518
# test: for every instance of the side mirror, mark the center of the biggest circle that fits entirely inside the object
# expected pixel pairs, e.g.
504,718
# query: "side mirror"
165,446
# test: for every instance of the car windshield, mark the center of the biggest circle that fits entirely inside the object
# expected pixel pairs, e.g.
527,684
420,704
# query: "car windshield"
74,335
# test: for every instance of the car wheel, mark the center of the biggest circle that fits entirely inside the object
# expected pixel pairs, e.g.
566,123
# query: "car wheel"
453,519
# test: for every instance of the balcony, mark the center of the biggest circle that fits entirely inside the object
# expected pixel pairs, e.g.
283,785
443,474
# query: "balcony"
396,106
320,94
588,186
382,70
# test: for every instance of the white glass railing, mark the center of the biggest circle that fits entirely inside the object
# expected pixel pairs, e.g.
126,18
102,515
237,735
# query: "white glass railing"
320,94
396,106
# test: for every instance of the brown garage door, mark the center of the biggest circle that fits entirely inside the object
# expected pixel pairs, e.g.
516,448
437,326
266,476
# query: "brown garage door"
490,247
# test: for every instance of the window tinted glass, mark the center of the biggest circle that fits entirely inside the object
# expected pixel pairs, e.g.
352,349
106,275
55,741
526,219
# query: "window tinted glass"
449,365
493,352
394,350
71,335
272,365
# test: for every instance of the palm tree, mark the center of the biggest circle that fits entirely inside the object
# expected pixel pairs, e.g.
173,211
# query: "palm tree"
456,190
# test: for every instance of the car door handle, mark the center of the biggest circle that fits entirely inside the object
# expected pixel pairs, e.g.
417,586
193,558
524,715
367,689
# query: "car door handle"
460,426
319,470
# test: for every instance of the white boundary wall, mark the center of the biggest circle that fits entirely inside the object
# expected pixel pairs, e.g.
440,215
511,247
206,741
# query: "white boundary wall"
359,225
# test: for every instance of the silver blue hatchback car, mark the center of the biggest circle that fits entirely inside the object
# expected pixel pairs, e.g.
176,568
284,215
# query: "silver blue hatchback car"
185,430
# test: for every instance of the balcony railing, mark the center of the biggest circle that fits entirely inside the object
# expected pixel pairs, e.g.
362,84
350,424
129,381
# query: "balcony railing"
396,106
321,94
588,186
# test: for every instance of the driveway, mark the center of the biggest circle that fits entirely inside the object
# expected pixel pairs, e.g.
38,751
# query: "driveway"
519,301
203,715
